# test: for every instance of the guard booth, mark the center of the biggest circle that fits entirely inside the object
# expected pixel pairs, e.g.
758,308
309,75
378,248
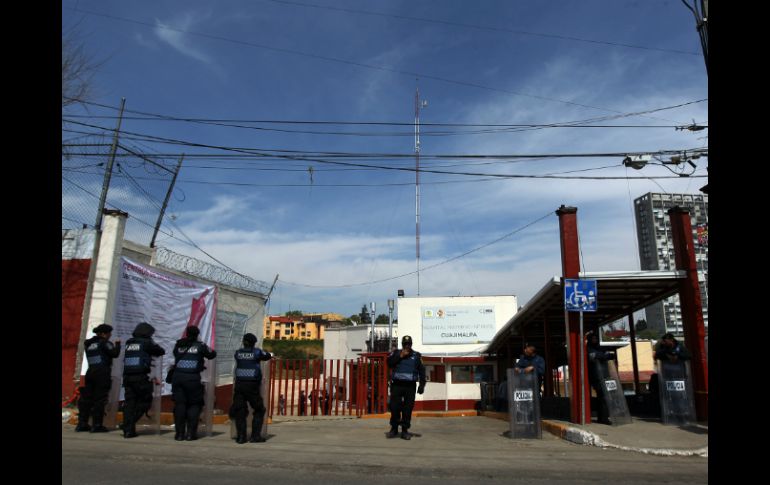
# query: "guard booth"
677,403
524,405
614,399
264,389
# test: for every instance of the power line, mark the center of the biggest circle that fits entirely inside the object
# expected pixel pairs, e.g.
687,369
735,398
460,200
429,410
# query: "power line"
498,128
408,169
427,267
484,27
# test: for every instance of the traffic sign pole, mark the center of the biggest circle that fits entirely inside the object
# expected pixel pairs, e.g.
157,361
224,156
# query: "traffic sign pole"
582,374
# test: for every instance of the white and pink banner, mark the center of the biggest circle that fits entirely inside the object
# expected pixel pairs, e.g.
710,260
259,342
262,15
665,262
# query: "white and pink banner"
166,301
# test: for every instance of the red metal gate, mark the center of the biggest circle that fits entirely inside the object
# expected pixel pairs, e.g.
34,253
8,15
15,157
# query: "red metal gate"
328,387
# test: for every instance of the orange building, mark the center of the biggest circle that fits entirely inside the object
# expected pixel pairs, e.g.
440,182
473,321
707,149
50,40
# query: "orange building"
306,327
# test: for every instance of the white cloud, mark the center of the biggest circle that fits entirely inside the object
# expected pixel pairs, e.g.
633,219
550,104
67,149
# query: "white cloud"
177,39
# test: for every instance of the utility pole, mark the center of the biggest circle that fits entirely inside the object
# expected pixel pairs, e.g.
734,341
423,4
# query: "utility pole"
108,172
391,305
417,105
701,25
165,202
372,306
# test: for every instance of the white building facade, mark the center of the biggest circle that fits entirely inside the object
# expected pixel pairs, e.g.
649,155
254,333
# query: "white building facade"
450,333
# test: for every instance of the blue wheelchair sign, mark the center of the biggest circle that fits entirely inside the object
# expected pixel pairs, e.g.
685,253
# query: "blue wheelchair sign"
580,295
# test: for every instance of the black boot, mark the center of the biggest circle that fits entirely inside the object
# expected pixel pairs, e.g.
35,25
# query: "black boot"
98,427
192,431
179,427
256,436
240,429
393,432
405,434
129,431
82,426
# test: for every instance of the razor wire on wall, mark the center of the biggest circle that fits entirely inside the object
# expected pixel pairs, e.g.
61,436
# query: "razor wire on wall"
164,257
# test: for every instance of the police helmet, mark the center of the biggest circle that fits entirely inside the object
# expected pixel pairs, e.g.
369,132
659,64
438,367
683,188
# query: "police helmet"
406,340
103,328
143,329
250,339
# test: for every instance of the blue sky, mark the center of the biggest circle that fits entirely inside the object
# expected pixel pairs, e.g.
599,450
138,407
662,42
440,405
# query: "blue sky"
484,62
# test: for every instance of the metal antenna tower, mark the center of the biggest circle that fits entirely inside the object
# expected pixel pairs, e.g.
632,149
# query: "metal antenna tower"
417,105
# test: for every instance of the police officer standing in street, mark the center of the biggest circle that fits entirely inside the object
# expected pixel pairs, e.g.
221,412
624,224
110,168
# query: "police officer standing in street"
93,396
529,362
186,387
598,357
137,361
248,380
407,370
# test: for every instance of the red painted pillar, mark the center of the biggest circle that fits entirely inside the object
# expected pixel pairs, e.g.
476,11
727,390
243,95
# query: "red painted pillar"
692,306
570,265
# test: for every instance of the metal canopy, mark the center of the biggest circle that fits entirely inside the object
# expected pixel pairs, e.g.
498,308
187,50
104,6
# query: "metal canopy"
619,293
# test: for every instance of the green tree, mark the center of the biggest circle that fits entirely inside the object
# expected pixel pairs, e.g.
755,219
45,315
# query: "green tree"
355,318
293,313
382,319
366,319
641,324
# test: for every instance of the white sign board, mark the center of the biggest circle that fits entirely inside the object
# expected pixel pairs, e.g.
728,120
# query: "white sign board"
458,324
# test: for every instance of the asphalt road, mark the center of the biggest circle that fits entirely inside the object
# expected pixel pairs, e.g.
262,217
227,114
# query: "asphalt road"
461,450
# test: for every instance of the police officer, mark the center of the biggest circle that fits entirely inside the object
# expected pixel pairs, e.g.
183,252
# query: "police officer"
597,357
669,349
140,349
93,396
186,387
406,370
529,362
248,379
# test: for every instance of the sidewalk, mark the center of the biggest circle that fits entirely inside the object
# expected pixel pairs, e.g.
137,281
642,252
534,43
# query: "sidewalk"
643,435
646,436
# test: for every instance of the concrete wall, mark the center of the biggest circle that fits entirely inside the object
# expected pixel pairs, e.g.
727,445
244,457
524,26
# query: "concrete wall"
349,342
645,357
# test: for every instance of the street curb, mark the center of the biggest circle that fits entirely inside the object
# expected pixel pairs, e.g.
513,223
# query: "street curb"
166,419
583,437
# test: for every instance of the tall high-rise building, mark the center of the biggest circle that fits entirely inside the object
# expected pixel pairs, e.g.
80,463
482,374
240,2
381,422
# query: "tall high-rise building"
656,251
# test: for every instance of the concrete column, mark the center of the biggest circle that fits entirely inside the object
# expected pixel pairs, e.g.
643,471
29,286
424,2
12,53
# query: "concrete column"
570,264
100,305
692,306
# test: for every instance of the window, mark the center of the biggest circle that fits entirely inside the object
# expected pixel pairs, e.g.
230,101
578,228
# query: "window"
287,331
436,373
471,373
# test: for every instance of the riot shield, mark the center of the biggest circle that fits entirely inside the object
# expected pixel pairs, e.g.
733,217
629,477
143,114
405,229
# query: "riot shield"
116,391
614,399
524,405
151,423
209,381
677,402
264,389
